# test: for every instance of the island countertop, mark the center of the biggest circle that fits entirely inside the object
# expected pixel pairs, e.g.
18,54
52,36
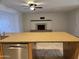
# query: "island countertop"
40,37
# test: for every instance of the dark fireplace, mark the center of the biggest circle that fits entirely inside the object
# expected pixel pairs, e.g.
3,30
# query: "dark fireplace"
40,27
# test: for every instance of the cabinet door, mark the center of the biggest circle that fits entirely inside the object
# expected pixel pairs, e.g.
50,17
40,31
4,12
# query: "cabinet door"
71,50
1,51
76,55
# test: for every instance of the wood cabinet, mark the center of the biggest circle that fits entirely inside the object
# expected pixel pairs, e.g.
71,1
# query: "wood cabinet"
1,51
2,37
71,50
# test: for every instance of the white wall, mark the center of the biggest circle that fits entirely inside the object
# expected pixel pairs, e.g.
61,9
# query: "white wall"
71,21
74,22
77,23
10,22
59,20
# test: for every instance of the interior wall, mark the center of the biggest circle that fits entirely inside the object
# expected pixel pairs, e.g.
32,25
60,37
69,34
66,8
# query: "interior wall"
10,22
73,22
59,20
77,23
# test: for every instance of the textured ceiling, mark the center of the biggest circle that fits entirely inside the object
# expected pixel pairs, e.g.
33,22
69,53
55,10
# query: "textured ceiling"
48,6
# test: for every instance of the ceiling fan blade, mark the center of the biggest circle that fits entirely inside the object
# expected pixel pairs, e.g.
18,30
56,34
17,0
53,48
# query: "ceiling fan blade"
39,3
24,4
39,7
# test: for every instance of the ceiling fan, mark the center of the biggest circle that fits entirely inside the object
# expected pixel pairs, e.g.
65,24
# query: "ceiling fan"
32,4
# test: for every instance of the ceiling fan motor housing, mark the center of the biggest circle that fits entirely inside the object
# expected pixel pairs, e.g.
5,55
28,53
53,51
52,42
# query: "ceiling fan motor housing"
32,4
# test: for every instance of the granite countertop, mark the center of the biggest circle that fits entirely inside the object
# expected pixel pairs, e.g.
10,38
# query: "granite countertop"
40,37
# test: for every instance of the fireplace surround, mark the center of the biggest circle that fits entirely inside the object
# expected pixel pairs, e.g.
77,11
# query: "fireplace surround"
41,26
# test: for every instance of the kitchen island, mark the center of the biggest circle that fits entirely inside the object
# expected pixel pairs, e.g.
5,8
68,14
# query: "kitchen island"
44,37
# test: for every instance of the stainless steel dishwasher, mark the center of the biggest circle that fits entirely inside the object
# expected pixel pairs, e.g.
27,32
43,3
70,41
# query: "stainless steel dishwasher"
15,51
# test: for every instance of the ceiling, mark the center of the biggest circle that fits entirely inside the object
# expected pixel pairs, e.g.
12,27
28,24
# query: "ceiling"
48,6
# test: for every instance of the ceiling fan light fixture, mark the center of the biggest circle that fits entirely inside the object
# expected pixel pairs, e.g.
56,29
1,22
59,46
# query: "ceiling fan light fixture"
32,8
